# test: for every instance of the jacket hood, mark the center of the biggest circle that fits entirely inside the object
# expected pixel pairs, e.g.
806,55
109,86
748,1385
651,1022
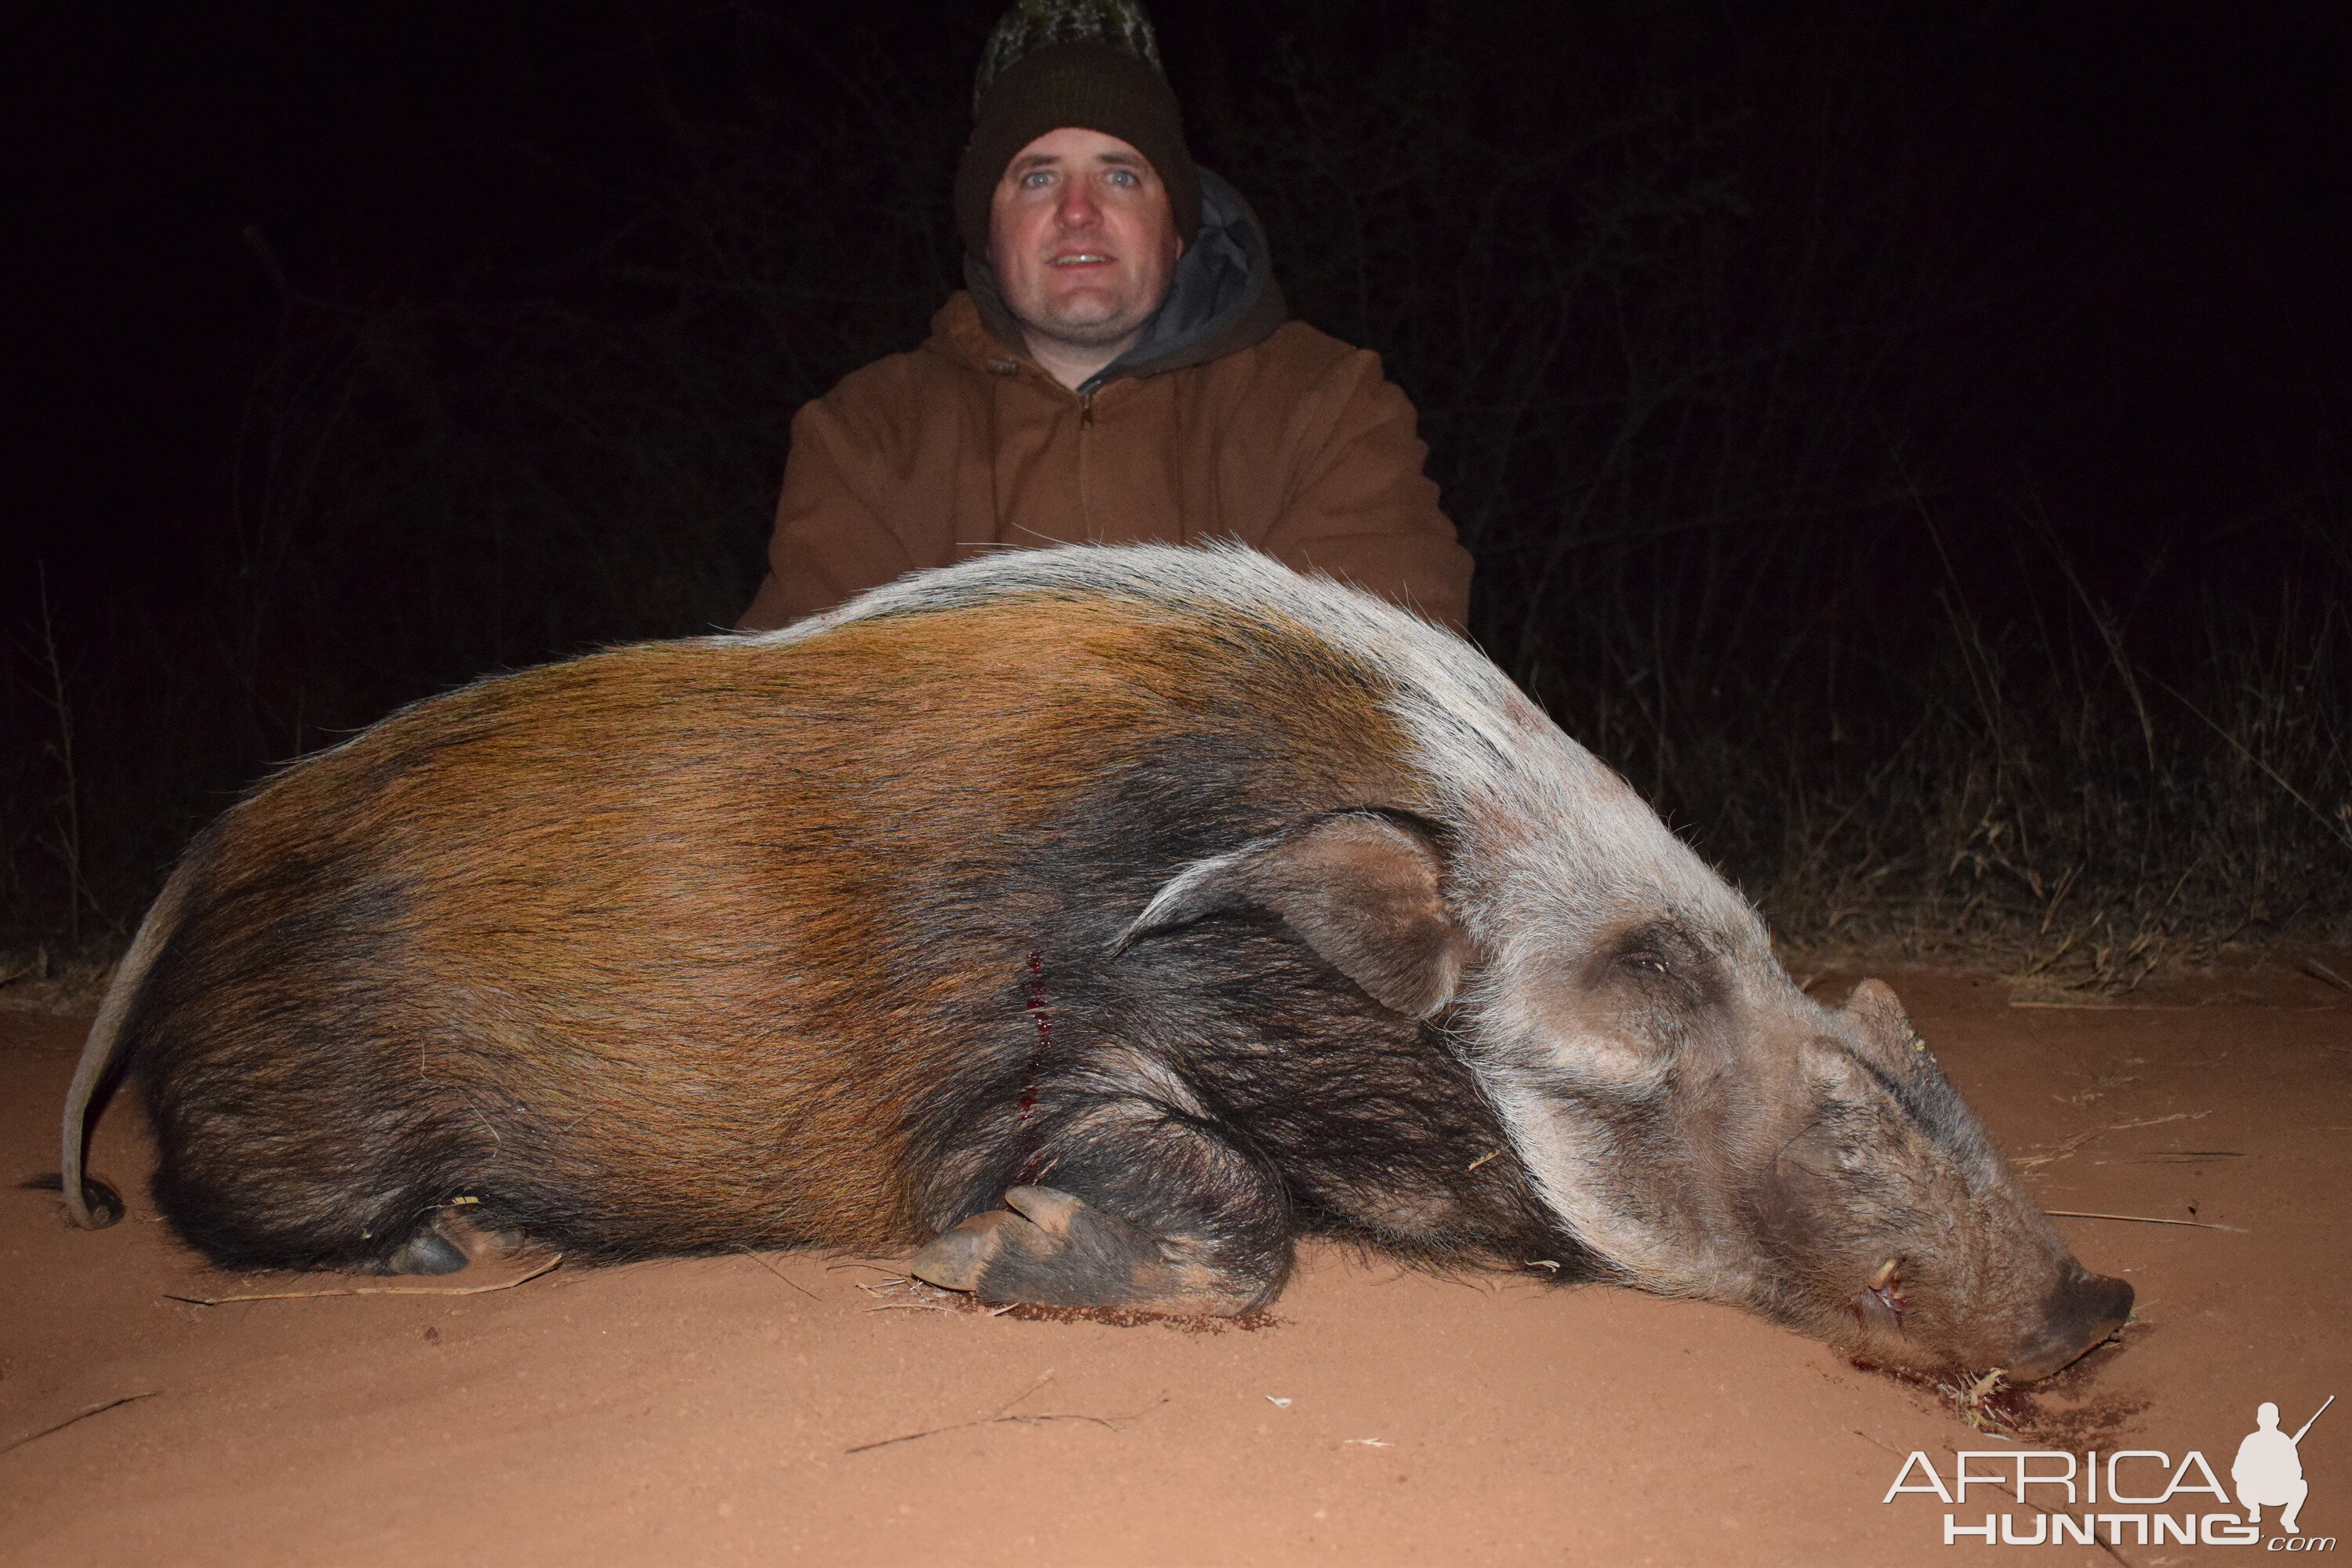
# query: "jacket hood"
1222,299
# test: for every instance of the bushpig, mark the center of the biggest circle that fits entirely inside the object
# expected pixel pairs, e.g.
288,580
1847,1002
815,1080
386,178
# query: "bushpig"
1096,921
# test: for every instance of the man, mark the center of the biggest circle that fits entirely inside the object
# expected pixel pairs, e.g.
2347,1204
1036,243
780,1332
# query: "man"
1120,369
2268,1470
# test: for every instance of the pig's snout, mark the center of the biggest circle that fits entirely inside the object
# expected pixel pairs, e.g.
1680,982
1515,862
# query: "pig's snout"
2080,1312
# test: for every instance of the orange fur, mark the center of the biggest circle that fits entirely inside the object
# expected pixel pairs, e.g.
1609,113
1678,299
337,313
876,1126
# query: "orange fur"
646,888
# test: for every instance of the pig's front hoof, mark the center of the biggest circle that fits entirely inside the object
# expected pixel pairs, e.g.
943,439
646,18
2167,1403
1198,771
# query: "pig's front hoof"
1052,1249
1056,1213
956,1258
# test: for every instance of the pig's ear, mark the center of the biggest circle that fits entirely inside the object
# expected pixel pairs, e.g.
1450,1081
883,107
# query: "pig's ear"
1879,1015
1362,888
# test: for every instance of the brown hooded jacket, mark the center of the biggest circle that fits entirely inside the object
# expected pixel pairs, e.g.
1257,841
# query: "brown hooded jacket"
1226,421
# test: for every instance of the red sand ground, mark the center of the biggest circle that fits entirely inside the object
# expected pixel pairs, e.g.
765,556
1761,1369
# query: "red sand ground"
705,1412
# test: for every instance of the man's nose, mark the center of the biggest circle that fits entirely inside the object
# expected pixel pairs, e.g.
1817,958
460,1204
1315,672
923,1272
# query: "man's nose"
1077,208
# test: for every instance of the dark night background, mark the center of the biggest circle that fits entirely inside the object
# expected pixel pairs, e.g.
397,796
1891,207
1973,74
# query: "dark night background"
1909,441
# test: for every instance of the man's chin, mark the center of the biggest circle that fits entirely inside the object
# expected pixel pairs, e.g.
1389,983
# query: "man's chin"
1087,307
1085,331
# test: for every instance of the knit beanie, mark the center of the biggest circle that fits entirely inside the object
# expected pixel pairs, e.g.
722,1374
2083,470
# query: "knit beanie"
1093,64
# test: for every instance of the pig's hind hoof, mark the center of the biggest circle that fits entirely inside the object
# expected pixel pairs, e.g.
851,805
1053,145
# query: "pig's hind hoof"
426,1252
1052,1249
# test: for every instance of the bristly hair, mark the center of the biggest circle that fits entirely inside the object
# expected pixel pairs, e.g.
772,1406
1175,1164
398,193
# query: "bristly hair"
1029,25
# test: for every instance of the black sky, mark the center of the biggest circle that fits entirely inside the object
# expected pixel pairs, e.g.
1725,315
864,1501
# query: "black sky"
2165,179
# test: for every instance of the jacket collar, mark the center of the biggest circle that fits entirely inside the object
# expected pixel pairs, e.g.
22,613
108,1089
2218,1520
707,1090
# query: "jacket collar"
1223,298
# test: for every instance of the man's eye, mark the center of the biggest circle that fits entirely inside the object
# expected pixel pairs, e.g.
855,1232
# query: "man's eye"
1123,177
1037,179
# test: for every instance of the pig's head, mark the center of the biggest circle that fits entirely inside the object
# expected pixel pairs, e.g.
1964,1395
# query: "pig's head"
1711,1131
1700,1125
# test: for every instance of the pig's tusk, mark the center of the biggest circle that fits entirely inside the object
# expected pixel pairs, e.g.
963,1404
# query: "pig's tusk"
1886,1272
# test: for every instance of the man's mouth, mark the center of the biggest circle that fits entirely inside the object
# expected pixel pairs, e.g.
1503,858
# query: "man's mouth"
1080,259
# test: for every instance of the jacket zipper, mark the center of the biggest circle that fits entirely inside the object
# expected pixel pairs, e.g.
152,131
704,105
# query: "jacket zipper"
1086,425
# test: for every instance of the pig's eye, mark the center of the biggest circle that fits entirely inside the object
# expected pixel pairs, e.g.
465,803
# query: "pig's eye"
1645,963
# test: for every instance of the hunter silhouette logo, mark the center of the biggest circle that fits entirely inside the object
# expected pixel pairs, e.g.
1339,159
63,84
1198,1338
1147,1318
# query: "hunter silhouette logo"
2268,1470
2131,1497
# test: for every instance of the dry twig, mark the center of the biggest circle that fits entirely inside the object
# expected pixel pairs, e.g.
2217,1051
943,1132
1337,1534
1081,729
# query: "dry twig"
2078,1140
2319,971
2146,1219
373,1290
99,1409
1003,1413
779,1274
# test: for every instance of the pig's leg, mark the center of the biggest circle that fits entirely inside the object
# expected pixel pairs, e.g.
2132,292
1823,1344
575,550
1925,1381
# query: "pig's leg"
1134,1205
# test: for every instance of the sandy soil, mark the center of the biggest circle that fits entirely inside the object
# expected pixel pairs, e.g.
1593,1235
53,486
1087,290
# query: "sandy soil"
724,1411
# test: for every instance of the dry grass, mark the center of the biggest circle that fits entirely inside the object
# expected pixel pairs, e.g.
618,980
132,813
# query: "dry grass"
2065,1411
38,980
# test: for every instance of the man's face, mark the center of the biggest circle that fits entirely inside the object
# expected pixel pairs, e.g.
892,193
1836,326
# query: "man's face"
1082,238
